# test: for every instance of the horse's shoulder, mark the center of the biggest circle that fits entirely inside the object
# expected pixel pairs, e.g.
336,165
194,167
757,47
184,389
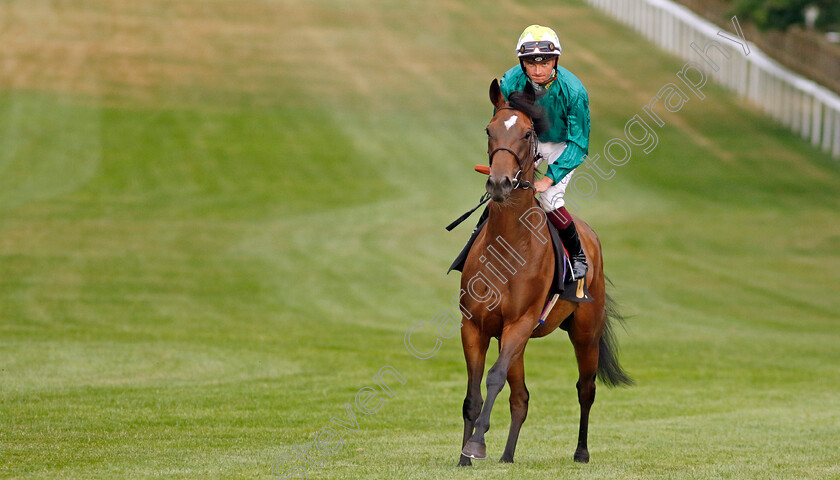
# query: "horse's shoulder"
471,264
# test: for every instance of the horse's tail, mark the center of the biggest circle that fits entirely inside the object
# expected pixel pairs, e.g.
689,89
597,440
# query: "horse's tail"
609,370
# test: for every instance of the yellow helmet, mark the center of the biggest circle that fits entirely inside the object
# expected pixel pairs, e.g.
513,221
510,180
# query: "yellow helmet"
538,41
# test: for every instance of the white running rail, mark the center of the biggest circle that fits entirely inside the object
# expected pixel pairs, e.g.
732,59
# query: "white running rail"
805,107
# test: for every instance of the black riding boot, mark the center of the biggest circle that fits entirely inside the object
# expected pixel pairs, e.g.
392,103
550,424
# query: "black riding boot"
562,219
571,241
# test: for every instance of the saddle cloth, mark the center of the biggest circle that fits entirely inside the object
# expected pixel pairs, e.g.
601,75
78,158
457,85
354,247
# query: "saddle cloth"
562,283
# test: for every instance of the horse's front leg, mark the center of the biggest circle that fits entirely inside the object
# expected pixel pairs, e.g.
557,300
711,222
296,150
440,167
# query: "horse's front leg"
475,350
518,405
514,338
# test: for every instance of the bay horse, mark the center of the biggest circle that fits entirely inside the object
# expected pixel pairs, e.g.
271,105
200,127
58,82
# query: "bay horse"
517,301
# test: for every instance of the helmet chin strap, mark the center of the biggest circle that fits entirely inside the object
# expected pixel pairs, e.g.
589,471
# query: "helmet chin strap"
542,89
544,85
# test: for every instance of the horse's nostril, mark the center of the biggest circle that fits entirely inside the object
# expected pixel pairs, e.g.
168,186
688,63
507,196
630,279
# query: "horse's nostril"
499,182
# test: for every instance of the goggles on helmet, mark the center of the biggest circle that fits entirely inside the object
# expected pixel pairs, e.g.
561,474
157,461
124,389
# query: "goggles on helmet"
531,47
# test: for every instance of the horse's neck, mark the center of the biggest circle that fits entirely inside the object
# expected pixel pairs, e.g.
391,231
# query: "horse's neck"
508,221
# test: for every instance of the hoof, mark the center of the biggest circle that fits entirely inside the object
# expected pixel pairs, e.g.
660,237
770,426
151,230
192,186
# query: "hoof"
582,456
475,450
464,462
506,460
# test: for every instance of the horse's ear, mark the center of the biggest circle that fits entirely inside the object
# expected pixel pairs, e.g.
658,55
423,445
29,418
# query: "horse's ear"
496,97
530,95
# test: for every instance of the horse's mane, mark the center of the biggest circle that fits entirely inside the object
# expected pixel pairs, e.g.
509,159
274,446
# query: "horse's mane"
524,102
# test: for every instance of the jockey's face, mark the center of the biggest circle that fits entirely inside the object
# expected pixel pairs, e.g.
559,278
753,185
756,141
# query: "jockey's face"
540,72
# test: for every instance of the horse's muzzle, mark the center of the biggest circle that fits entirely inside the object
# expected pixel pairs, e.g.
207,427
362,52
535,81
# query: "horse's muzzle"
499,188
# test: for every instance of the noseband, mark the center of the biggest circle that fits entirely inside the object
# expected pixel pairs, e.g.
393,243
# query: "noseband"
532,150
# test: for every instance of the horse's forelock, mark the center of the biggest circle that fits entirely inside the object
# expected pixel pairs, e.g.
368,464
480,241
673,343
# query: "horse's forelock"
536,113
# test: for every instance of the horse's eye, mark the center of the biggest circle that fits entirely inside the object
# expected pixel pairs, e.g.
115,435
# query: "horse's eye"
528,134
487,130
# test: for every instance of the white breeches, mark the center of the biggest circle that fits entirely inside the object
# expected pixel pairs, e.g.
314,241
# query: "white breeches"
552,199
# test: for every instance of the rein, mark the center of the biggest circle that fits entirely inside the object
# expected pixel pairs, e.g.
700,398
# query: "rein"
517,182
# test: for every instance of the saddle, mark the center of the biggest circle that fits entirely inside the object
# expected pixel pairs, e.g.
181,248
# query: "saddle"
562,283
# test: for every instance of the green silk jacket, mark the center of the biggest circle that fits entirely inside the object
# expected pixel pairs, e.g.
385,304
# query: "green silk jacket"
567,107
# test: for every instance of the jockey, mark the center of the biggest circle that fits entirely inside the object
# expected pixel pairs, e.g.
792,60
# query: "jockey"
565,143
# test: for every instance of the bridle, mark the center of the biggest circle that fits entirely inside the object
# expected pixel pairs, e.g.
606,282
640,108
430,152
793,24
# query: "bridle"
517,182
532,139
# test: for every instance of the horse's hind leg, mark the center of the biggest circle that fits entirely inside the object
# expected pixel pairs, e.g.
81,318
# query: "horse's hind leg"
585,341
518,405
475,350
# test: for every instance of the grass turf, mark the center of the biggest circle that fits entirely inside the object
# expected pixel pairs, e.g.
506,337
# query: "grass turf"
210,240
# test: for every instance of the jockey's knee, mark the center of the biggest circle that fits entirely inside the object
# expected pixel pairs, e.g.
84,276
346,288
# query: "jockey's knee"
554,197
552,202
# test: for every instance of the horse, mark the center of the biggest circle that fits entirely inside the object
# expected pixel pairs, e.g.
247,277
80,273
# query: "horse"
517,301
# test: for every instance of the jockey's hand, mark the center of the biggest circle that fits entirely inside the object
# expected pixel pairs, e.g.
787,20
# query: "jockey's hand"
542,184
